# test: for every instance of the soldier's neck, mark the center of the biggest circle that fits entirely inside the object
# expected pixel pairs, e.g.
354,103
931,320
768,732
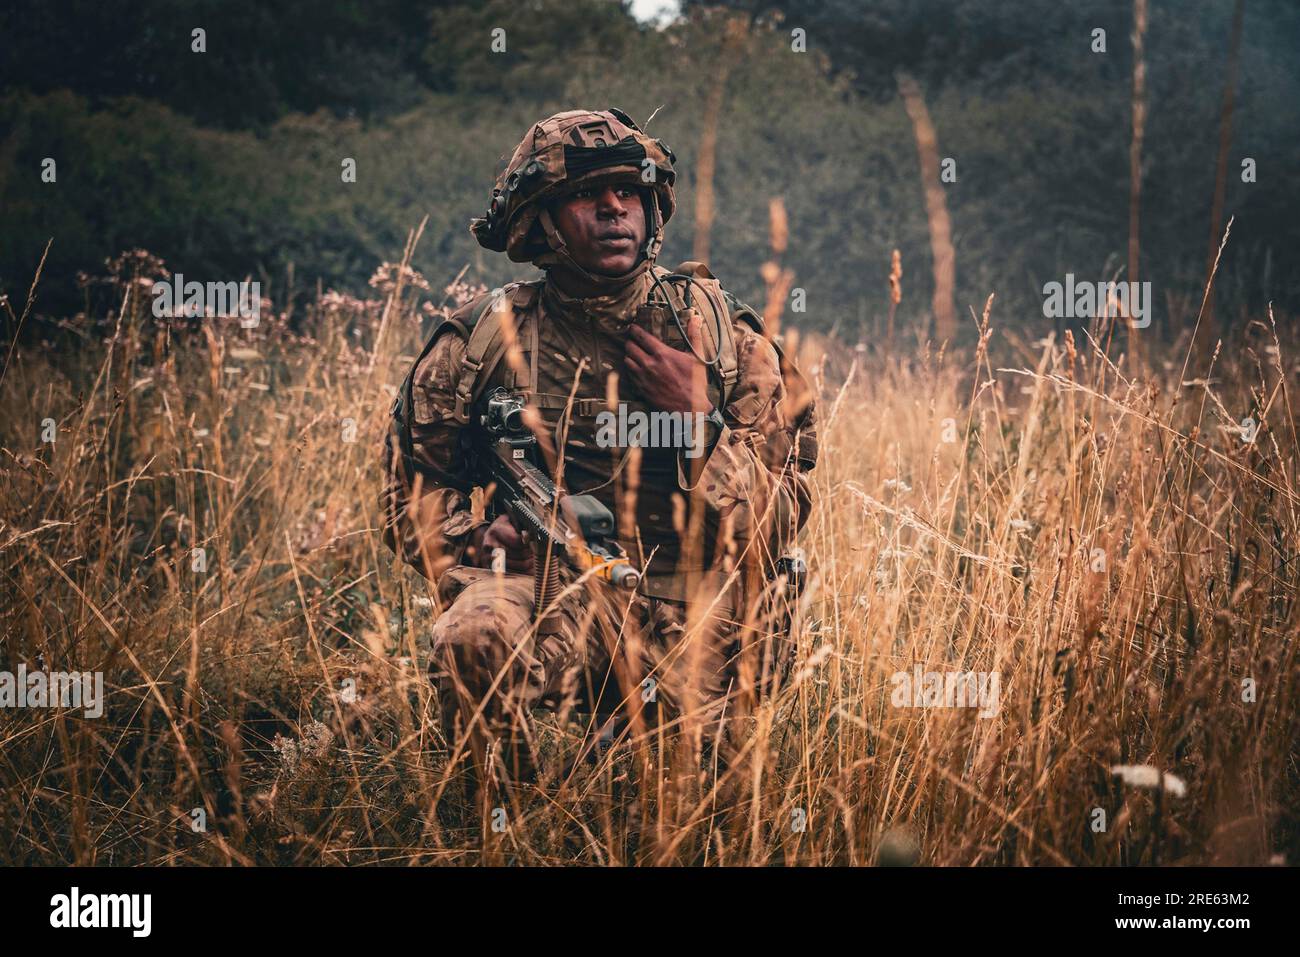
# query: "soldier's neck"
602,296
578,285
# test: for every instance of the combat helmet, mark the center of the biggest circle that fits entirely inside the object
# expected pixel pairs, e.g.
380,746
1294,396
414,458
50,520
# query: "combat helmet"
574,150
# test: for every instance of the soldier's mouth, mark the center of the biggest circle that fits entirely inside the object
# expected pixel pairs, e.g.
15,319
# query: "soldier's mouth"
616,239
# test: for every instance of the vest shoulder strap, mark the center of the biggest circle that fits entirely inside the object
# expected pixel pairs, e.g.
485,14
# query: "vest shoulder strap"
491,333
745,312
717,325
480,337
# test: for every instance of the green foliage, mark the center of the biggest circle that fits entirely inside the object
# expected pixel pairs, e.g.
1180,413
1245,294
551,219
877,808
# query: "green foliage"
261,60
228,164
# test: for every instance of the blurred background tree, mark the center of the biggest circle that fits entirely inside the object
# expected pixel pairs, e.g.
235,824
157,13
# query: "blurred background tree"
227,163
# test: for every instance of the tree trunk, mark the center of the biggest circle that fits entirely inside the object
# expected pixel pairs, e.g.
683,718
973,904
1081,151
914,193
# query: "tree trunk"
936,210
733,41
1135,154
1205,335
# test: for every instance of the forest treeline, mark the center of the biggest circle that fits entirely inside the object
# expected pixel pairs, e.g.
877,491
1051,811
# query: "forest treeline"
229,162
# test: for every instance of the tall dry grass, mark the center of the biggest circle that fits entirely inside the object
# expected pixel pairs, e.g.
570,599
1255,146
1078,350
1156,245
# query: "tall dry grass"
1113,548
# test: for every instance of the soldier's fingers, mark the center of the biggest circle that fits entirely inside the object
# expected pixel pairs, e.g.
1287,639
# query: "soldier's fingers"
516,559
635,365
638,335
502,533
695,332
643,340
634,351
522,556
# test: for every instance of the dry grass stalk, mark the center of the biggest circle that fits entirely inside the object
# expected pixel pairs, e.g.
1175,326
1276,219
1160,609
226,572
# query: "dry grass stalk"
1123,568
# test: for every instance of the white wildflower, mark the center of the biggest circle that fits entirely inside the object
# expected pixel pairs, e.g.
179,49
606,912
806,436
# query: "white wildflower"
1145,776
316,740
287,750
313,745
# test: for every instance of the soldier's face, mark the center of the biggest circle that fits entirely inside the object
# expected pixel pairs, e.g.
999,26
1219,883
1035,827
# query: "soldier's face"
604,227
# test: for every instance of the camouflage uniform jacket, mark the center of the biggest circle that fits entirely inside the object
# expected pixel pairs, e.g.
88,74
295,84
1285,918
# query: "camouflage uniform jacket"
753,486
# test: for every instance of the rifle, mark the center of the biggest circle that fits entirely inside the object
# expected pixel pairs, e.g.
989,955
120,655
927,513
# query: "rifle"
577,527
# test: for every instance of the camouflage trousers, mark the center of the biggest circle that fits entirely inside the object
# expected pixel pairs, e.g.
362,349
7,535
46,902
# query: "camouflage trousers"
637,658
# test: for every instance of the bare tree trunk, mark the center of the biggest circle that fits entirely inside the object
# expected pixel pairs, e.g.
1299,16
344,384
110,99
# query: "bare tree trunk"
1221,167
1135,150
733,41
776,277
936,209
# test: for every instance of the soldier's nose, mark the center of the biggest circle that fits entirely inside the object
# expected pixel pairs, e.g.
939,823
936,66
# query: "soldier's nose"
610,203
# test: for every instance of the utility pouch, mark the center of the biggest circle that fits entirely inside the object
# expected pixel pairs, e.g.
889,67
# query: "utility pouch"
653,318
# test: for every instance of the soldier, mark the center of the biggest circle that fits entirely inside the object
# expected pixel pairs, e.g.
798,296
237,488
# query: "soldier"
585,197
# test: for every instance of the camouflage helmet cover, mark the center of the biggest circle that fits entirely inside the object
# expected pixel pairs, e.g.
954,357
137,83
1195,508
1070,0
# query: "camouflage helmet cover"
561,154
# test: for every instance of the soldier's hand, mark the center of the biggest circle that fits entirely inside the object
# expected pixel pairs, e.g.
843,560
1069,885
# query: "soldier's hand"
670,380
503,534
